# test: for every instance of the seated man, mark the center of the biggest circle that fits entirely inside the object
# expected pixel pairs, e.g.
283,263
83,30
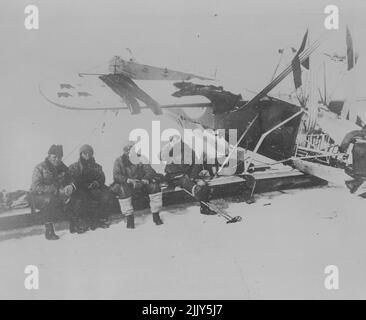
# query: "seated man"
51,188
130,178
184,173
358,168
92,200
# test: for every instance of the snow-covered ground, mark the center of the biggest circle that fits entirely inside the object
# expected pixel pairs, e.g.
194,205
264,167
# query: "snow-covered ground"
279,250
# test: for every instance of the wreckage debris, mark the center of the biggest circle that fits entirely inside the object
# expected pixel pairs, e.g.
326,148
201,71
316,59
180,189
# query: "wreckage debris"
222,101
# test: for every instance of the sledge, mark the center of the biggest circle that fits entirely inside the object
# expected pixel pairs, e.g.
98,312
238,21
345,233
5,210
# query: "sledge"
277,177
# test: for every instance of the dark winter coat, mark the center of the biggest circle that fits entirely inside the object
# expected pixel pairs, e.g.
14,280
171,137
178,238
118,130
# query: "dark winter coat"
49,179
357,137
84,173
350,138
124,169
179,168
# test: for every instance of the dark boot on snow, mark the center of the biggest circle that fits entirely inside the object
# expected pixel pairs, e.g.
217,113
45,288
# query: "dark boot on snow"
99,224
77,227
103,223
50,232
206,210
250,200
352,185
92,224
156,218
73,228
130,221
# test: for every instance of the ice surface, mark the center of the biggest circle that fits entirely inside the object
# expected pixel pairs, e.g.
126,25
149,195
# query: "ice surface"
279,250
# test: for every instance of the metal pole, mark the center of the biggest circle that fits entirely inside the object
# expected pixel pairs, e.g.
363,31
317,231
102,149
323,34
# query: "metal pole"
237,144
264,135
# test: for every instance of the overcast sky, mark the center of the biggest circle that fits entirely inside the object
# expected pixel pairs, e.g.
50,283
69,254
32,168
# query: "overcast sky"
241,38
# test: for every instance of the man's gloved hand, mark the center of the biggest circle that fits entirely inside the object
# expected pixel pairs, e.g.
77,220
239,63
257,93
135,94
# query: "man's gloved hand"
201,190
68,190
94,185
204,173
135,183
52,189
201,182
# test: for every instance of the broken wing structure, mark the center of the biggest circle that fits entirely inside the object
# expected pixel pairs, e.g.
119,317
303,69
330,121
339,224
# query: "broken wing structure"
137,86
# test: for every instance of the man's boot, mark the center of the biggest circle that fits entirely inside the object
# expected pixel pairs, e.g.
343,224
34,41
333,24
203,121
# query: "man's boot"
96,220
250,200
91,223
127,210
156,203
102,223
156,218
50,232
77,223
72,226
206,210
84,224
353,185
77,227
130,221
98,223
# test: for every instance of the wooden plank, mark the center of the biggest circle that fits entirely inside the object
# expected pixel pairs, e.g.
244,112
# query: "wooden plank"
223,186
336,176
277,174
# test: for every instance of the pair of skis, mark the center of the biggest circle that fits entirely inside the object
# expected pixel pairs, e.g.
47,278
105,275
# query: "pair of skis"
225,215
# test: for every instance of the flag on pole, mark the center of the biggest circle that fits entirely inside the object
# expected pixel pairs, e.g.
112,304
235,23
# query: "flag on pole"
349,110
350,53
296,65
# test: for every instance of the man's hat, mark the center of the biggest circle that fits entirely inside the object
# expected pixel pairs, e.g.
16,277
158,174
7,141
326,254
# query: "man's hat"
86,148
128,146
176,137
56,150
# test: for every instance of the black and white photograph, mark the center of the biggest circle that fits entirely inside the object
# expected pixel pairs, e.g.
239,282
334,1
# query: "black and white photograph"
182,150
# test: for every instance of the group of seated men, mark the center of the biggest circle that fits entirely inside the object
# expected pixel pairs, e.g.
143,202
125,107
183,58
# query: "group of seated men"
80,191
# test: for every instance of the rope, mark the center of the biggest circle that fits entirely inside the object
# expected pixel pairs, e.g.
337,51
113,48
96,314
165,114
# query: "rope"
303,56
277,66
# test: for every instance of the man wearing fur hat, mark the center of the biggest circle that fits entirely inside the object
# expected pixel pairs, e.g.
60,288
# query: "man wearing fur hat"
132,176
92,197
51,188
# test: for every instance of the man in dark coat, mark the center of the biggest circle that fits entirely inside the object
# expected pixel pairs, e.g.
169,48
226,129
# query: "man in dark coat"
132,178
358,168
92,200
182,169
51,188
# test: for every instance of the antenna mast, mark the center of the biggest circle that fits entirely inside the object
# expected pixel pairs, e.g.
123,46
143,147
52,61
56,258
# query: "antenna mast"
325,83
